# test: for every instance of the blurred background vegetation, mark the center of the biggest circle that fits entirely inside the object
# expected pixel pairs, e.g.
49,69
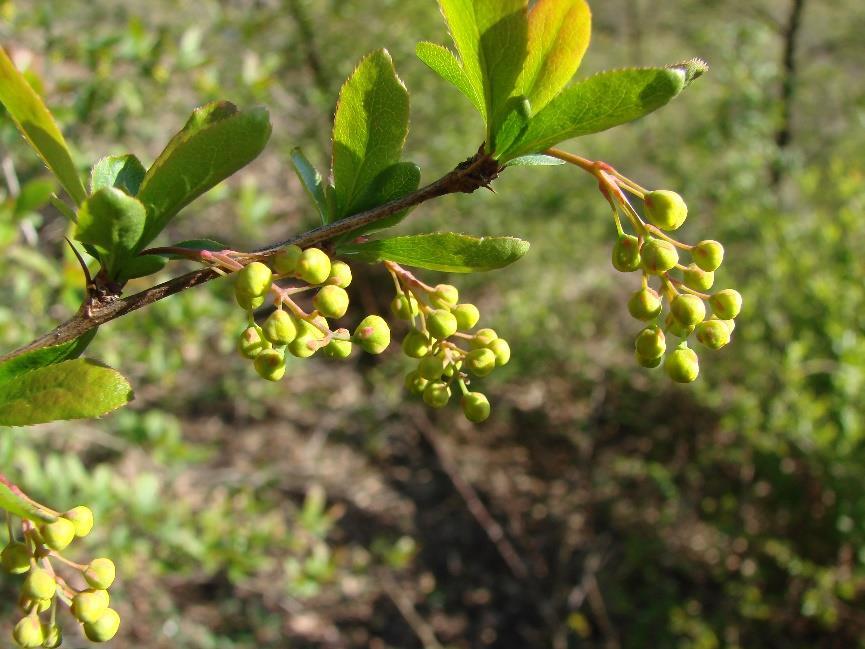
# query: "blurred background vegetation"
330,510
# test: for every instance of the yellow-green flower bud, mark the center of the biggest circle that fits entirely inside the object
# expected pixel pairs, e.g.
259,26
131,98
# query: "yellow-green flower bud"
59,534
726,304
314,266
648,363
285,261
82,519
431,368
280,328
502,350
626,254
331,301
441,324
40,584
404,306
28,632
53,636
714,334
444,296
682,365
338,349
697,278
251,285
15,558
659,256
708,255
645,304
483,338
437,394
270,365
372,334
480,362
476,407
688,310
250,343
89,605
100,573
416,344
415,383
103,629
666,209
340,274
467,316
651,342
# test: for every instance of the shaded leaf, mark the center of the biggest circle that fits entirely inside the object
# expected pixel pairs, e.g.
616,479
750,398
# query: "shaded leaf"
197,244
135,267
17,366
217,140
77,389
444,251
17,505
312,183
34,194
559,33
36,123
394,182
445,64
514,125
112,222
369,130
600,102
125,172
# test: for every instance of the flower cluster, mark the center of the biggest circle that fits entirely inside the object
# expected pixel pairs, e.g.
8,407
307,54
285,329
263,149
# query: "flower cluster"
290,329
38,556
439,326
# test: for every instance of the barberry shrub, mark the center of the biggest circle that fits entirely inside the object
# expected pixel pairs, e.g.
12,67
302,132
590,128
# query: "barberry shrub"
514,65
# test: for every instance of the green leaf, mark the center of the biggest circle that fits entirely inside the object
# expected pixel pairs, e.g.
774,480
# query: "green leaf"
369,130
444,251
312,183
44,357
491,37
217,140
34,194
135,267
600,102
36,123
559,33
112,222
394,182
535,161
197,244
514,125
125,172
78,389
446,64
13,502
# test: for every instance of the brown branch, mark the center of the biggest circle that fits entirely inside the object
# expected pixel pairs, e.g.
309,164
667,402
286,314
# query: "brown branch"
476,172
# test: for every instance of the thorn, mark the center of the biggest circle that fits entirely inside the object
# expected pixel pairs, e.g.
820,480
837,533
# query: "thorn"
88,279
489,187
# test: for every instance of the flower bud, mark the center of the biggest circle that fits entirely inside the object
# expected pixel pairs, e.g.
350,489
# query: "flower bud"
270,365
648,363
338,349
659,256
444,296
15,558
59,534
340,274
314,266
437,394
331,301
679,330
100,573
626,253
103,629
40,584
431,368
666,209
82,519
708,255
726,304
250,344
481,362
89,605
404,306
415,383
280,328
682,365
651,342
416,344
285,261
28,632
688,310
476,407
252,284
502,350
467,316
697,278
645,304
53,636
441,324
714,334
483,338
372,334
